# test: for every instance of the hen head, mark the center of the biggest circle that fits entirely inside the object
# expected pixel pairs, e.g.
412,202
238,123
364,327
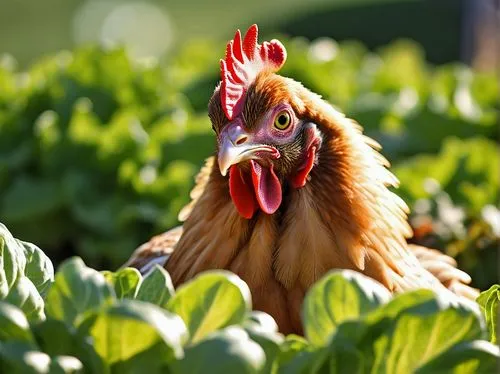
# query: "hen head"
267,138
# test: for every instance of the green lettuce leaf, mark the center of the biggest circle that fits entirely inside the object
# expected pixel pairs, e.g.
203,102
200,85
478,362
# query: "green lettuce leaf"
339,296
489,301
211,301
132,336
126,282
472,357
156,287
227,351
25,272
76,290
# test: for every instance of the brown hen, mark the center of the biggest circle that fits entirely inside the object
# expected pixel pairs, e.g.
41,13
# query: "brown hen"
295,190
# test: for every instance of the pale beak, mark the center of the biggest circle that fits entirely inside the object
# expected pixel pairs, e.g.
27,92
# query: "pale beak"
231,154
236,145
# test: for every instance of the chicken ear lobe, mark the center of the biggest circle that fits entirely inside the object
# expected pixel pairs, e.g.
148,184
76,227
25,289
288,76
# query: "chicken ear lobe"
313,142
299,180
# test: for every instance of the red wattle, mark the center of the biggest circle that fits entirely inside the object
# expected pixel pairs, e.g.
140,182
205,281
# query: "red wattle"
299,180
241,191
267,187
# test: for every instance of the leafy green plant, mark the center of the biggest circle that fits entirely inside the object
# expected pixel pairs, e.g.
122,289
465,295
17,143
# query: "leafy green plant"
490,305
466,169
25,274
122,322
94,143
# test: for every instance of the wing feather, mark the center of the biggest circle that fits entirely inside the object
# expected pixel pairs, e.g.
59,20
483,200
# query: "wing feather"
156,251
444,268
201,181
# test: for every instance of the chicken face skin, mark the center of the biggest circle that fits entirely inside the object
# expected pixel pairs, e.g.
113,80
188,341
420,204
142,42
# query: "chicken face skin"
264,142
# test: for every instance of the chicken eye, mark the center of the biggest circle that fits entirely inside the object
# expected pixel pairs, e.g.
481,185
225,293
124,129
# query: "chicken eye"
282,120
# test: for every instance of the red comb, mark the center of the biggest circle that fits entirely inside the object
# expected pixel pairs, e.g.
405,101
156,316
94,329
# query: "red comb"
243,62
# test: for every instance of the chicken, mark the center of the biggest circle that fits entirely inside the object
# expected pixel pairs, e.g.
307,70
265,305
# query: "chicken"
295,190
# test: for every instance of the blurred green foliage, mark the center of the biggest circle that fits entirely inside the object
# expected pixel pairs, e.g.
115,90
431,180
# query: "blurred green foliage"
98,152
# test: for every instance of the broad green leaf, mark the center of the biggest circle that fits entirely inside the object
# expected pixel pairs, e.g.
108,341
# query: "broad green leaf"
400,303
76,290
364,331
21,358
156,287
263,330
489,301
345,359
25,295
56,338
360,334
261,321
339,296
345,353
13,324
292,347
18,260
314,360
424,331
132,335
270,343
11,261
226,351
365,340
472,357
126,282
404,333
39,268
211,301
66,364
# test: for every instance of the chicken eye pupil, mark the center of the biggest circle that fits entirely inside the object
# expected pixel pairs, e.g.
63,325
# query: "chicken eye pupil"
282,121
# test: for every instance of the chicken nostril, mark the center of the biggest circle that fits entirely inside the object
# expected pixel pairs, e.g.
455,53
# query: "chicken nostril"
241,139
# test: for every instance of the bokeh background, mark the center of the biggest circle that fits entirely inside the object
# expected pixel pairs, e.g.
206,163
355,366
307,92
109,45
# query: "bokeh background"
103,111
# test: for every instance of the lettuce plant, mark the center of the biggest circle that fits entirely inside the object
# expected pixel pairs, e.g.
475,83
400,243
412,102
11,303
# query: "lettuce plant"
86,321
